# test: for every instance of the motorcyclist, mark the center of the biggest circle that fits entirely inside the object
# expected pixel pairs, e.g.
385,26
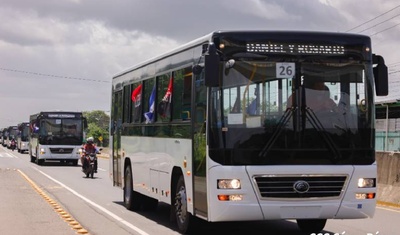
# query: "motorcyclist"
89,148
13,144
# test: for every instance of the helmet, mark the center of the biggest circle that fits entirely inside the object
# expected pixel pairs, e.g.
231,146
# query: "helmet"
90,140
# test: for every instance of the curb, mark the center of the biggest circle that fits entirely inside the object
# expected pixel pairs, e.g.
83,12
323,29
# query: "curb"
104,156
388,204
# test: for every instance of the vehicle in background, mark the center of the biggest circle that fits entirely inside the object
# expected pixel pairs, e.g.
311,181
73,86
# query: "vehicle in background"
22,137
228,128
56,136
12,135
2,136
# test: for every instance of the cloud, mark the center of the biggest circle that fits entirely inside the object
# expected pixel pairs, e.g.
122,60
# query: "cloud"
88,41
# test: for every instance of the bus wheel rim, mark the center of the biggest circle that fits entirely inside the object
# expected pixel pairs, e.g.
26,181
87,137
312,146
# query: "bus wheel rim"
181,205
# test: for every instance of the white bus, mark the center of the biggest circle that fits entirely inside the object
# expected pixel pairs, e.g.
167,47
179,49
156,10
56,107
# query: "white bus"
3,136
11,134
229,128
22,137
56,136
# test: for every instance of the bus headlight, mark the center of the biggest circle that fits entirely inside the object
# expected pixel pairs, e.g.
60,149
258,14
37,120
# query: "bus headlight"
366,182
228,184
42,151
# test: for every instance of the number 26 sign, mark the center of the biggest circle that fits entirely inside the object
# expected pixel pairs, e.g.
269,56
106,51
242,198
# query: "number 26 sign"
285,70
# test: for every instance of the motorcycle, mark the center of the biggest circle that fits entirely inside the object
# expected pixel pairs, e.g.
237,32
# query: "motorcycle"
90,163
13,145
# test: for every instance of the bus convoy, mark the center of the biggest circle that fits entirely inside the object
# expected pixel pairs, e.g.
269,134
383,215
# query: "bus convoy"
238,126
251,125
49,136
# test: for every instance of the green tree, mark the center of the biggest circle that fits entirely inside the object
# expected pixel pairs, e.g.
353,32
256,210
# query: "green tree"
98,126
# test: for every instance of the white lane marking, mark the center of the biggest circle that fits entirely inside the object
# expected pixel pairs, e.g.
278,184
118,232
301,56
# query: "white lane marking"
8,155
101,169
116,217
388,209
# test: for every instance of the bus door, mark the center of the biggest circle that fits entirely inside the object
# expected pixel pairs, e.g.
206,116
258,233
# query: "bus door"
199,146
116,122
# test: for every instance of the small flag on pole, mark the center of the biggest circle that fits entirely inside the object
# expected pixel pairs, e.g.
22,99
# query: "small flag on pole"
165,104
136,94
150,115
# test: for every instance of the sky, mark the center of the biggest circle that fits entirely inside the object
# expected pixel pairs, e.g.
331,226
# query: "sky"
62,54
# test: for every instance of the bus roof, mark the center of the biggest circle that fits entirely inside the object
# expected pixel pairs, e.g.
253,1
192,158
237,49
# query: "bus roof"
186,46
274,35
57,114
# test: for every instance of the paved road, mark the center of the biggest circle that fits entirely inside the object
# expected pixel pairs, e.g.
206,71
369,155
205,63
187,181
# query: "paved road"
96,206
25,211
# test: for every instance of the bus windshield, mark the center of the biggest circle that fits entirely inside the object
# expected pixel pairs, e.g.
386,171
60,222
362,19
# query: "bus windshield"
297,112
24,132
60,131
12,134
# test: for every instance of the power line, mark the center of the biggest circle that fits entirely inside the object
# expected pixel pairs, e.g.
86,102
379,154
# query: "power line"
384,30
379,23
374,18
50,75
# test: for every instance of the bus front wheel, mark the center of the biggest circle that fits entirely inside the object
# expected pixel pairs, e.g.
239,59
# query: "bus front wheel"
311,225
184,219
131,198
39,161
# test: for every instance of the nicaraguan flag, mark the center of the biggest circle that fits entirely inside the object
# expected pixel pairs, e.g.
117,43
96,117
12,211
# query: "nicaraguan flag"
150,115
136,94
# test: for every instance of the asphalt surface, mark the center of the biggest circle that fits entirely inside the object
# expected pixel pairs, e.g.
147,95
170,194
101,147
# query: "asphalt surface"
26,209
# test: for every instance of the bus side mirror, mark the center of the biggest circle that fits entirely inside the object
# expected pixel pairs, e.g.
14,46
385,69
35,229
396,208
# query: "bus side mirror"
380,76
211,66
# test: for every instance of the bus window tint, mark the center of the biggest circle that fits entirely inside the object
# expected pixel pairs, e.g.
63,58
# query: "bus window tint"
127,104
183,91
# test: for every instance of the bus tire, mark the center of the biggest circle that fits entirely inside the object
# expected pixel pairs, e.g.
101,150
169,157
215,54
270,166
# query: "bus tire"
131,198
39,161
311,225
184,219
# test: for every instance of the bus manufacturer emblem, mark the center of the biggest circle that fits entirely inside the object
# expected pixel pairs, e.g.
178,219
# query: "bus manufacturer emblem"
301,186
61,150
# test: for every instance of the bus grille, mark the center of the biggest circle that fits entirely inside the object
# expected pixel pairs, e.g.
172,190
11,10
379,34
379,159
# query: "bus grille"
293,187
61,150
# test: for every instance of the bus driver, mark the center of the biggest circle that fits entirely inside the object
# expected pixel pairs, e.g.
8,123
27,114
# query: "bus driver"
317,97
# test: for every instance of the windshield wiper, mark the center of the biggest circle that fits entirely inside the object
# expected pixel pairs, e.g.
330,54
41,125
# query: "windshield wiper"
282,122
321,130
